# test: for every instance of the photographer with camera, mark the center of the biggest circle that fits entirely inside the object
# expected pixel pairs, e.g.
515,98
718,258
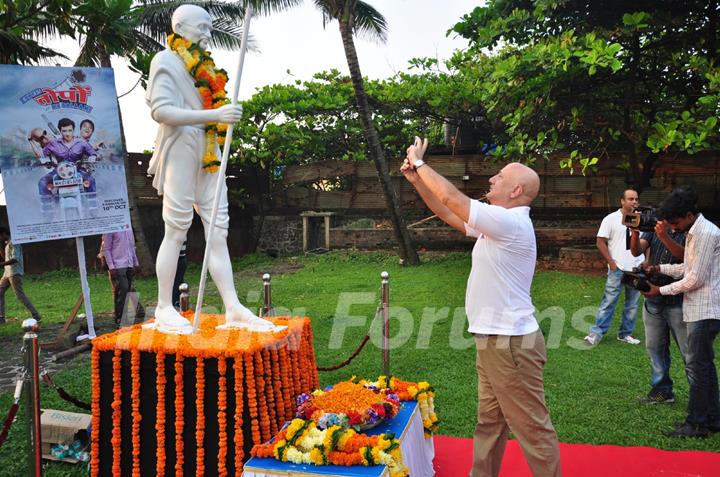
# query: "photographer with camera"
613,241
662,315
700,283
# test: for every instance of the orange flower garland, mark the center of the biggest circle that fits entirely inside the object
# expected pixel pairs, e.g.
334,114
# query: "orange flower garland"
179,417
239,441
301,442
136,417
161,380
222,421
287,383
262,403
210,83
252,399
268,368
95,436
269,393
295,364
117,412
277,382
200,410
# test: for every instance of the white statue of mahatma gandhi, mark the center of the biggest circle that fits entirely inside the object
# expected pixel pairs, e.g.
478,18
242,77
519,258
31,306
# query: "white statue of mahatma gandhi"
177,166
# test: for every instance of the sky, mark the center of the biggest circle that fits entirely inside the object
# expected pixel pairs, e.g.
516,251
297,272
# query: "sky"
293,46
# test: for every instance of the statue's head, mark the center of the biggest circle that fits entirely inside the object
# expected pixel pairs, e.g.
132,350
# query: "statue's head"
192,23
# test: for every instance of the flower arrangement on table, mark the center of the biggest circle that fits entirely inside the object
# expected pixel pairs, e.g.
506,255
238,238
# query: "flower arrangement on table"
348,404
302,442
421,392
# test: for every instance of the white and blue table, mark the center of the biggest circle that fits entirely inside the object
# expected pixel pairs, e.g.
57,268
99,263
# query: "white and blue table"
418,453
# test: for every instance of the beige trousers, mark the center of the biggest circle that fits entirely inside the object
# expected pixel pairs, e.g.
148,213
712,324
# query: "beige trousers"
511,397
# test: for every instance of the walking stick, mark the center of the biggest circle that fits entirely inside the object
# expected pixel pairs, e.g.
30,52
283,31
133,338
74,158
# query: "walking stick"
221,171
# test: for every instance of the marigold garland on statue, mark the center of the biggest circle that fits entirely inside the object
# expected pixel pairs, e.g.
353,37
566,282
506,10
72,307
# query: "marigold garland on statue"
210,82
95,436
116,405
136,416
200,419
160,419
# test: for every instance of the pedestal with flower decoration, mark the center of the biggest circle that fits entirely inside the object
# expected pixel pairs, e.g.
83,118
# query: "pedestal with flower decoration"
169,405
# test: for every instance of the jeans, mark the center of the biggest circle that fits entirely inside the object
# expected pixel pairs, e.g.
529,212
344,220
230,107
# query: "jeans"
613,289
703,405
662,322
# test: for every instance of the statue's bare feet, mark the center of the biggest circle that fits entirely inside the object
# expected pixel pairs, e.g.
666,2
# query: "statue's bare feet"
168,320
239,317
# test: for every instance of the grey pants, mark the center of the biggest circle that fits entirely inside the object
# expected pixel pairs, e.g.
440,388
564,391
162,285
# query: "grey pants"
15,282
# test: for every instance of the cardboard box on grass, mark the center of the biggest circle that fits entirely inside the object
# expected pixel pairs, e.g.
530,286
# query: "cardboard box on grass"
61,427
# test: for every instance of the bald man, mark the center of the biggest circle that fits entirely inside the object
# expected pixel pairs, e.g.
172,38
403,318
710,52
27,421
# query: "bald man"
510,347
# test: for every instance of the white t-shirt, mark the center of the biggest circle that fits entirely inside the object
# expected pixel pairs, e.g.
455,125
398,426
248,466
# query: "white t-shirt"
612,229
497,299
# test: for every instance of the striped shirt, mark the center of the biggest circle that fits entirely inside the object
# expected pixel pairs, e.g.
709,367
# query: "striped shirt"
700,272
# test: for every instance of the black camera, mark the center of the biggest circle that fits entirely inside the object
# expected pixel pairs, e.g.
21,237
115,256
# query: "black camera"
642,219
639,279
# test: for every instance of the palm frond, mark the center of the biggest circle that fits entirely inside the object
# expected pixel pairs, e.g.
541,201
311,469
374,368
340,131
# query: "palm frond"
330,10
267,7
147,44
370,23
18,50
88,55
155,21
227,35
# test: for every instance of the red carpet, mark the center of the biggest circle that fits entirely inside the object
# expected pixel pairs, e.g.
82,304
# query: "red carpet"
453,456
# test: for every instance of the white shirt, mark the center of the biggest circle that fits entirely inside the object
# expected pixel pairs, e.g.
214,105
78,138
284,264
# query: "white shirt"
700,271
612,229
497,299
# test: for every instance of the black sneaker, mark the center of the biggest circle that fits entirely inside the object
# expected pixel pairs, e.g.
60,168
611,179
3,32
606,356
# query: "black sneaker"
657,398
2,320
689,430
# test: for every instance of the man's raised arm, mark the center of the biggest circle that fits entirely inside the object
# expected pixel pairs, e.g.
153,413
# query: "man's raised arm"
440,188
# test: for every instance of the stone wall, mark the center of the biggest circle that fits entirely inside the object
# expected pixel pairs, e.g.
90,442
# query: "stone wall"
576,259
549,240
280,235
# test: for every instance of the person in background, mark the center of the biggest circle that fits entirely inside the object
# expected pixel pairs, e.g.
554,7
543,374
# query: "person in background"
662,315
613,241
119,251
700,284
14,271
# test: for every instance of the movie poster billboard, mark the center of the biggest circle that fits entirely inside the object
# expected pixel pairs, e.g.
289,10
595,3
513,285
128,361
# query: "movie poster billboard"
61,154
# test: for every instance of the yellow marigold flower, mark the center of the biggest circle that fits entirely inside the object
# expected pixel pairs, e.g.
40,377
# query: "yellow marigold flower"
347,434
317,457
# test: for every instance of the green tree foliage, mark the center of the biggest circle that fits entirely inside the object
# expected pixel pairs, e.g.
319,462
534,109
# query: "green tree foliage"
317,120
24,24
598,78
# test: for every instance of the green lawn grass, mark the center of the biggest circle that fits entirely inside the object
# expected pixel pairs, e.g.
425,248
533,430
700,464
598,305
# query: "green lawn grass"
592,393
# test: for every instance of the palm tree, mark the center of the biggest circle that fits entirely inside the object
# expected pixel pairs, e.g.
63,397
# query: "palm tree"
356,16
23,23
